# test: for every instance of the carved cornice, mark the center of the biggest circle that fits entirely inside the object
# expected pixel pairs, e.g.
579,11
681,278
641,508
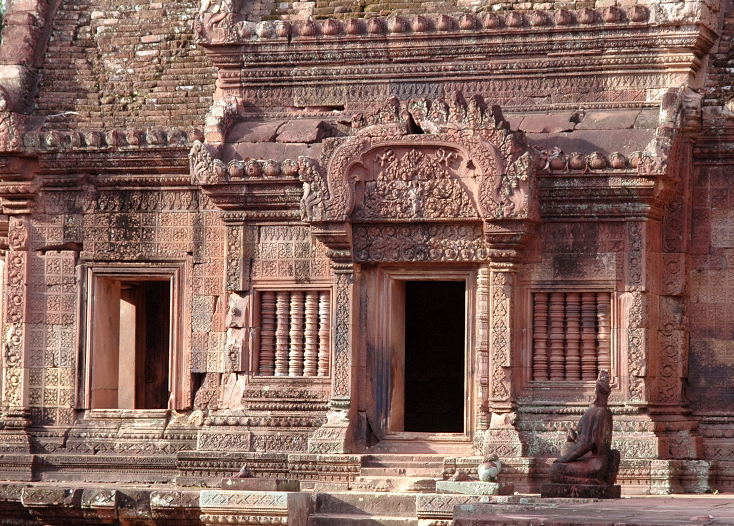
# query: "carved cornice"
509,57
109,140
266,189
227,28
603,195
18,186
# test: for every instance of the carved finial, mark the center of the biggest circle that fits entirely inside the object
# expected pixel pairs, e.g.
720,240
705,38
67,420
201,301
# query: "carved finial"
205,169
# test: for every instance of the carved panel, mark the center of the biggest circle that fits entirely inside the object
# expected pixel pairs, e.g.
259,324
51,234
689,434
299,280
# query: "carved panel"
234,279
500,331
286,253
343,335
419,242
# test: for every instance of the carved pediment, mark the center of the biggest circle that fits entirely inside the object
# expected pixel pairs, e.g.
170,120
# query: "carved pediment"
423,160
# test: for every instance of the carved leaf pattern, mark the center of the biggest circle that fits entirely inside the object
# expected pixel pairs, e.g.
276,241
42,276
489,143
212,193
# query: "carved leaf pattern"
421,242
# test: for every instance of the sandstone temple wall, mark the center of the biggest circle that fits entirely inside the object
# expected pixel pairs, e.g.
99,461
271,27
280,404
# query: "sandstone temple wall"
283,169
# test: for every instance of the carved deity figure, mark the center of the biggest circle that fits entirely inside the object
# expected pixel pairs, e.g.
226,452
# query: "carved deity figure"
590,458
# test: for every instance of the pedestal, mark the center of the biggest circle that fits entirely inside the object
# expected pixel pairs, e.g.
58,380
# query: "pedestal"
580,491
474,487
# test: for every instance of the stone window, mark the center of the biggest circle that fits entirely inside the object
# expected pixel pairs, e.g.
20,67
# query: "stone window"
571,335
131,338
294,333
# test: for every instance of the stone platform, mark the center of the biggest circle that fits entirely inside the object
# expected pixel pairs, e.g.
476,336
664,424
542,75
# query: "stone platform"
710,510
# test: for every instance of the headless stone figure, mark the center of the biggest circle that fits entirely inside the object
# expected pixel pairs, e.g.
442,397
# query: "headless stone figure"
590,459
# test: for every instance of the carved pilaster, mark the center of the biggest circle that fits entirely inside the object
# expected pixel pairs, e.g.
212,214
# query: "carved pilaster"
500,332
482,351
502,437
335,435
636,329
13,435
235,258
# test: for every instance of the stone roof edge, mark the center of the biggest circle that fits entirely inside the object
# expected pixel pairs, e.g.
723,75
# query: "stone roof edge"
229,30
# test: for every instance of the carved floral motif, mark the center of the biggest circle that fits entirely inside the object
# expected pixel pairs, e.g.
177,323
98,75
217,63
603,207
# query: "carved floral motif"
415,184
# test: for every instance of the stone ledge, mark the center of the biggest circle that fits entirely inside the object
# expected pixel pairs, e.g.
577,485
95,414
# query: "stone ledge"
474,487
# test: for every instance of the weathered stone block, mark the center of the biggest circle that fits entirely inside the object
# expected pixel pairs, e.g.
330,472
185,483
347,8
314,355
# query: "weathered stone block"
261,484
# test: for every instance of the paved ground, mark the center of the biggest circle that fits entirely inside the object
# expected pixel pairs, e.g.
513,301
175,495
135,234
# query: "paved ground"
632,511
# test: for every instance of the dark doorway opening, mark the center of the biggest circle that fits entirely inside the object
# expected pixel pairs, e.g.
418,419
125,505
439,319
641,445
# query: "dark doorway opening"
434,356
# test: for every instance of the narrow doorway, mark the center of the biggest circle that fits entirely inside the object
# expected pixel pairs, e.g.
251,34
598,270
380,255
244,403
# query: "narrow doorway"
434,356
130,344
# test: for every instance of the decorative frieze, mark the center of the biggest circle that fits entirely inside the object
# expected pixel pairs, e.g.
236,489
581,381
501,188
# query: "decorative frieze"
571,335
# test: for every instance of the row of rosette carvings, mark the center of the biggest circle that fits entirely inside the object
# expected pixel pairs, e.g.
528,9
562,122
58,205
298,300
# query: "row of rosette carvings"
378,25
553,161
228,29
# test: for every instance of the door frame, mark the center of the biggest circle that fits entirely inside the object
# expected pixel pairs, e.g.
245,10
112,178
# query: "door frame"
385,300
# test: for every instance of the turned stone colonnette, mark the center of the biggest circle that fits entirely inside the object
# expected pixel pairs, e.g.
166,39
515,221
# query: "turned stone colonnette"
588,467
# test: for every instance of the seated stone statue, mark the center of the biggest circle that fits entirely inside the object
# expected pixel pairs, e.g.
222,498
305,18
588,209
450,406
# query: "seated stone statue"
590,460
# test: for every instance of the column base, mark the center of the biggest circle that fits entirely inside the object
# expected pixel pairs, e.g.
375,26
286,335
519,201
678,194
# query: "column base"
335,436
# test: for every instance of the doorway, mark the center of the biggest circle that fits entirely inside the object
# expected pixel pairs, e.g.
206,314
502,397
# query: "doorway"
434,356
130,349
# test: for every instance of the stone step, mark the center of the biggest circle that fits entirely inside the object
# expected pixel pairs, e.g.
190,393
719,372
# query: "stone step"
366,503
402,471
395,484
346,519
